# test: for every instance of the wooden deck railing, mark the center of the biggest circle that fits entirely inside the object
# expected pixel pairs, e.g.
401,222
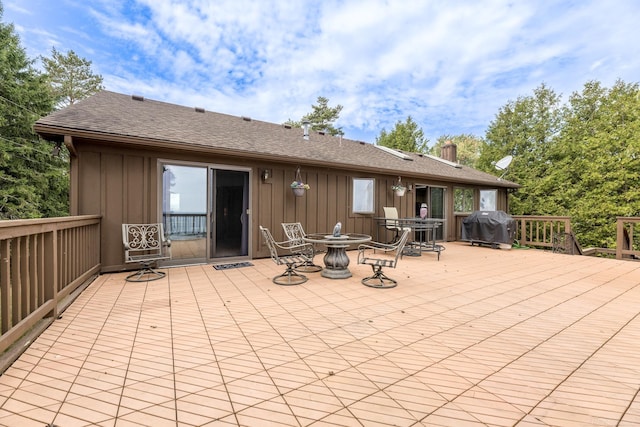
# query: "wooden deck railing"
532,230
539,230
42,261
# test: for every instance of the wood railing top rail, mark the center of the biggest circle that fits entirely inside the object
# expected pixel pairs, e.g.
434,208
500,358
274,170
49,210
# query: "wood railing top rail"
12,228
628,218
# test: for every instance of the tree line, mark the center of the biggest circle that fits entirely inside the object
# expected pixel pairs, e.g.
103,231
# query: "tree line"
579,159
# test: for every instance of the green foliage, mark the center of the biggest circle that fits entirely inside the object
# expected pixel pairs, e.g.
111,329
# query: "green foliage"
581,159
525,129
597,160
468,148
321,118
32,183
404,136
71,78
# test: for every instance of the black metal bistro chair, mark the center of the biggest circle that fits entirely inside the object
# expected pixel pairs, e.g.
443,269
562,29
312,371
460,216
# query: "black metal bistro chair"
145,244
295,233
290,276
379,255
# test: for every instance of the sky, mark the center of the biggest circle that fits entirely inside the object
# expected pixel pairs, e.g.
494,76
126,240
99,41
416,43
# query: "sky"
448,64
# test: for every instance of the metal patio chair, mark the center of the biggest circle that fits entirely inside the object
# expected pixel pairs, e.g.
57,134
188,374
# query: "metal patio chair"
379,255
290,276
392,222
145,244
295,233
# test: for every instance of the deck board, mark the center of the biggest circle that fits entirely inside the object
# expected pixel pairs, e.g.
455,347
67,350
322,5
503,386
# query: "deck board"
482,337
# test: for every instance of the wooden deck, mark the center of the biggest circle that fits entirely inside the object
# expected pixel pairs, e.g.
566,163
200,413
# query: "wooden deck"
483,337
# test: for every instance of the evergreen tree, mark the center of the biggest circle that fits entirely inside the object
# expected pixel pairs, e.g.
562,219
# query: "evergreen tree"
526,129
322,118
581,159
32,183
596,161
406,136
70,77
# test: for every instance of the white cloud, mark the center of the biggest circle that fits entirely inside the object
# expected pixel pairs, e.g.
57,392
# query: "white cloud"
450,65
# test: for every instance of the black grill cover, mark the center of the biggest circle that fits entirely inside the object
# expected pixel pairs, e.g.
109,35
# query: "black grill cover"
489,227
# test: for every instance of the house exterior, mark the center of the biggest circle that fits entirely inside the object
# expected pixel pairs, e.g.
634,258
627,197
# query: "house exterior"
213,178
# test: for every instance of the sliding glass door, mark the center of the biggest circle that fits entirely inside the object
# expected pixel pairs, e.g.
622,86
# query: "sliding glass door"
184,211
205,212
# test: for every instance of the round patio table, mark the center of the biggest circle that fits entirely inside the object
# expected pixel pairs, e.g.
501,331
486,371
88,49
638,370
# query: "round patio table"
336,260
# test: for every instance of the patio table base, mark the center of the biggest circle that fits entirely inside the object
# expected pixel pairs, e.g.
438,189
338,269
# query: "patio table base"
336,263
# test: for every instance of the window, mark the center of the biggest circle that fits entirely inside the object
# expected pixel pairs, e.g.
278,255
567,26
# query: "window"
463,200
362,200
488,200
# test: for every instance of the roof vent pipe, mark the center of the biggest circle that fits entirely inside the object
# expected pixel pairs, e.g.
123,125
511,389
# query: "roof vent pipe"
305,127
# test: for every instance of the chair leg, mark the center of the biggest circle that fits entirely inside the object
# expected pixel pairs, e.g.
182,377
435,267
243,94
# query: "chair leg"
379,279
145,274
290,277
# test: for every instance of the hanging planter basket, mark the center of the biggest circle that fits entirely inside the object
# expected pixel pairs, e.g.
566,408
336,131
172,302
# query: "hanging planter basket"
298,186
398,188
400,191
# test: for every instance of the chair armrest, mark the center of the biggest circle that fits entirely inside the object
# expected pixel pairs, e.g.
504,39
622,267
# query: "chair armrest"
287,245
377,246
373,246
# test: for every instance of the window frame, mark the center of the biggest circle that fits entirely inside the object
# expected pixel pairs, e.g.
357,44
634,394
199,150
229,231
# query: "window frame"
363,195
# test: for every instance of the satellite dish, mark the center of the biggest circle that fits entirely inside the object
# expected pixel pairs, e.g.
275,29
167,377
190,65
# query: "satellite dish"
503,164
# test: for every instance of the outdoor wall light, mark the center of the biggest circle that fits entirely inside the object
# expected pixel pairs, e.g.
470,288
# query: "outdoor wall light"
55,152
266,174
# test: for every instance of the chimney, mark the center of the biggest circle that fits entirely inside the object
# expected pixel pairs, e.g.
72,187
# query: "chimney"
305,128
449,152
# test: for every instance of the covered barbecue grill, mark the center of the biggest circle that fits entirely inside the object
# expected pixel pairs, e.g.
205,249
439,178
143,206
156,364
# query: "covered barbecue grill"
490,227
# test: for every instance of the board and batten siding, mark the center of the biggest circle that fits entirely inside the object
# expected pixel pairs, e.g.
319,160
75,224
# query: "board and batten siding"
122,185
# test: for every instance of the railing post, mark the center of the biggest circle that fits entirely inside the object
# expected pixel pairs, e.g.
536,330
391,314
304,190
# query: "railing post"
619,237
51,270
5,286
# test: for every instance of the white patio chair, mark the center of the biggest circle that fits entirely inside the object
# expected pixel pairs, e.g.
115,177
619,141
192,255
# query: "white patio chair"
145,244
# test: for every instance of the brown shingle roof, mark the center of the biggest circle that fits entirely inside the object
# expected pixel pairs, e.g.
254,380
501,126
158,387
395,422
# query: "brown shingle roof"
124,119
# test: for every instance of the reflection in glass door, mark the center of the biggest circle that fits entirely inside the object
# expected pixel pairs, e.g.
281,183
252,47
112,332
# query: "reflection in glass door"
437,208
434,197
184,210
